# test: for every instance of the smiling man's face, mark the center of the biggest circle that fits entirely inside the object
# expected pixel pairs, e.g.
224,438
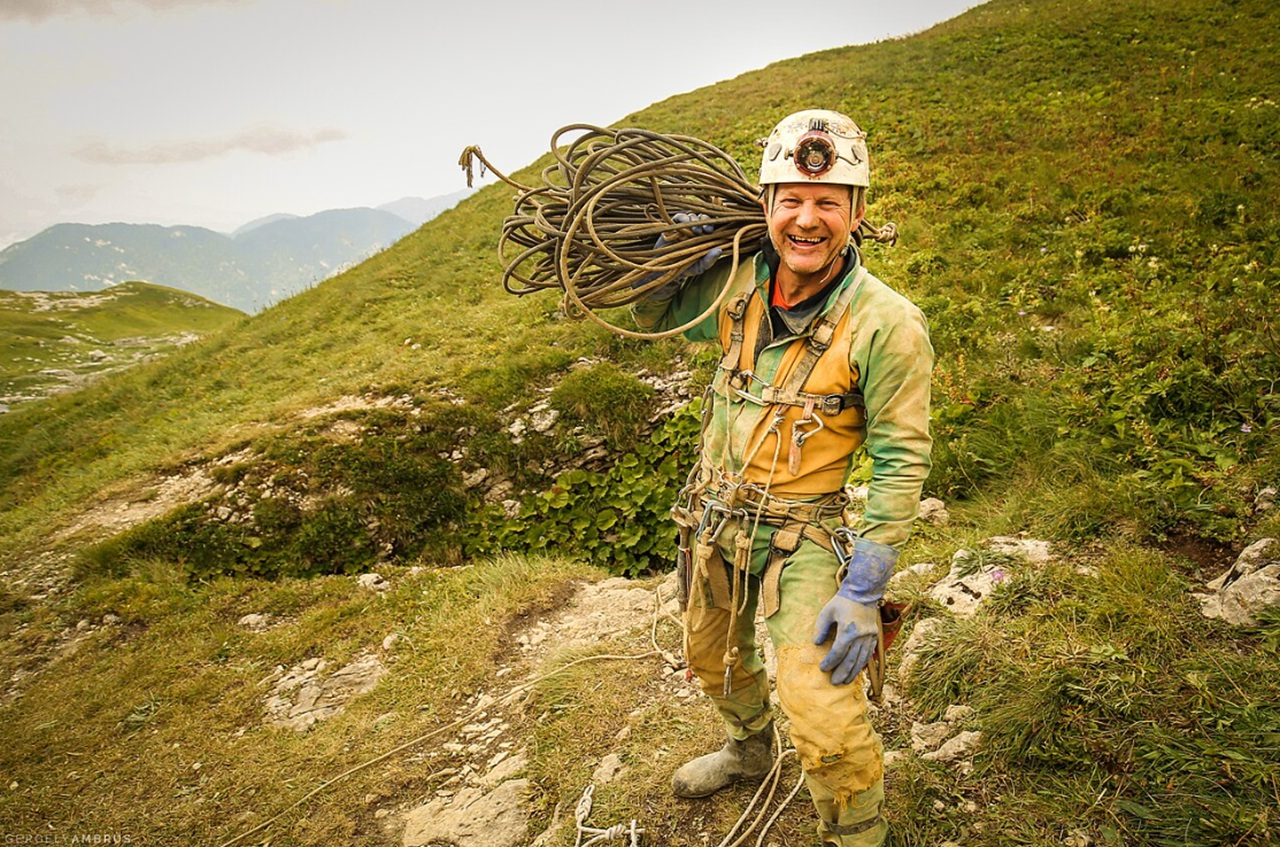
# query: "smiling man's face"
809,225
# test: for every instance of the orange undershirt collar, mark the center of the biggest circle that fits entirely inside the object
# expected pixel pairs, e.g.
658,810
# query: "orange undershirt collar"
776,299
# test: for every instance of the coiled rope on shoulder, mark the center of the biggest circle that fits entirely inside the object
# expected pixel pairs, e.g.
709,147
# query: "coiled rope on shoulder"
590,227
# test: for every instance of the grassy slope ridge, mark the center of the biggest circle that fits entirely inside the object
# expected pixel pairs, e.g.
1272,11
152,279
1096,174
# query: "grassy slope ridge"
1085,191
133,321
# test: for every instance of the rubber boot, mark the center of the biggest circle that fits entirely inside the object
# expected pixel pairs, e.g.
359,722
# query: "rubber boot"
751,758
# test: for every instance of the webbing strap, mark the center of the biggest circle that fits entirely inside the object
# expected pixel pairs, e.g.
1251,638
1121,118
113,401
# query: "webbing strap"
816,343
711,567
736,309
827,404
852,828
782,546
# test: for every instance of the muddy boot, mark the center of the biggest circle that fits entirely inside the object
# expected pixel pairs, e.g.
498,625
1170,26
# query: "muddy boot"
751,758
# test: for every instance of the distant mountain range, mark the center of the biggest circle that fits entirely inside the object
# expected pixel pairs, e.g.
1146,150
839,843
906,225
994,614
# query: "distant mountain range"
258,264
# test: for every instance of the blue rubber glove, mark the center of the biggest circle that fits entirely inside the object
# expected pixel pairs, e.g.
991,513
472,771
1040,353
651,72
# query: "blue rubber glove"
687,218
702,265
854,611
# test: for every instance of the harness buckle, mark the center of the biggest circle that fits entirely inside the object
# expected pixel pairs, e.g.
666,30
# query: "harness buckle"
739,380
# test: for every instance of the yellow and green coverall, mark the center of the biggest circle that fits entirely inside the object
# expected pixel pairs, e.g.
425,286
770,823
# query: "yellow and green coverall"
754,451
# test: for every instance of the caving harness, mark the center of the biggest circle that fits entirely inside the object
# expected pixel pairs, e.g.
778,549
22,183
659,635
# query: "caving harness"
713,501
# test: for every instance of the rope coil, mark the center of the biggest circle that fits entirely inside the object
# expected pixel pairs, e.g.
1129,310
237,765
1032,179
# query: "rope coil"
590,227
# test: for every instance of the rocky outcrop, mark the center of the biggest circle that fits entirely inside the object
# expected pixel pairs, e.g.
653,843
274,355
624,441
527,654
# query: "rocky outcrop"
303,696
946,740
472,818
975,574
1251,584
482,797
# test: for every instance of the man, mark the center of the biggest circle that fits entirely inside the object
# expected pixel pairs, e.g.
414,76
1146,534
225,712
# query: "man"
820,360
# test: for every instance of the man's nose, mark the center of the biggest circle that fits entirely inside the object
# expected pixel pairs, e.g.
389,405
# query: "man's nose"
807,215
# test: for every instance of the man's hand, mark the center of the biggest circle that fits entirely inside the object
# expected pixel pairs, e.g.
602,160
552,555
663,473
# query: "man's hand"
702,265
854,612
857,627
679,234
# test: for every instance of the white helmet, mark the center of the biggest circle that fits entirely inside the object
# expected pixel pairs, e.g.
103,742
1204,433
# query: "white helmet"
816,145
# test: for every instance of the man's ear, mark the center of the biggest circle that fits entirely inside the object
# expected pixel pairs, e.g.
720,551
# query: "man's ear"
859,200
857,219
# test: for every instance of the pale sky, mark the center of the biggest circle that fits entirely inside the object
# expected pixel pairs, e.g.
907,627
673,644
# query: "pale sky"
217,112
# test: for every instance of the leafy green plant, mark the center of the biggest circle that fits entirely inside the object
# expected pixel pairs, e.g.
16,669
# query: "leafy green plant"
311,505
619,519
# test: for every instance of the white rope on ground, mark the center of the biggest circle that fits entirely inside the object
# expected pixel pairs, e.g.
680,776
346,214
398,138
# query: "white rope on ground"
617,832
769,784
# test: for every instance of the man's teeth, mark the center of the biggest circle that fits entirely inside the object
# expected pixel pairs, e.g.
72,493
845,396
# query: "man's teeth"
806,240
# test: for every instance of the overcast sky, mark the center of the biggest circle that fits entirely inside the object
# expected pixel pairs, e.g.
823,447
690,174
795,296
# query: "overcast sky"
217,112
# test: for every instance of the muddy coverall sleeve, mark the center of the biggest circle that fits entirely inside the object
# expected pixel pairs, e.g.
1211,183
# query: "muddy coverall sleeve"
897,363
666,310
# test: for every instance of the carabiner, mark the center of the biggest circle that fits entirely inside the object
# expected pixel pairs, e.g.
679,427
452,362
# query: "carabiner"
842,541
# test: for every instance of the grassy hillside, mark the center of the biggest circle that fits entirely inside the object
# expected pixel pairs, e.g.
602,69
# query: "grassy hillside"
51,341
1086,197
1084,200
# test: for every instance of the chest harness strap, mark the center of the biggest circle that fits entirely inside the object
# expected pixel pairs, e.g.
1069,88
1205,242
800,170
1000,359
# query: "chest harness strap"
816,343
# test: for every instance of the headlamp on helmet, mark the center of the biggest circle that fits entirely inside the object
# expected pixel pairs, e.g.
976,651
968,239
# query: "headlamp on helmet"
816,145
815,152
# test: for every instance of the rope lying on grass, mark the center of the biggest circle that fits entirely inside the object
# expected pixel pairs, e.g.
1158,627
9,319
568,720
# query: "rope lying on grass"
590,227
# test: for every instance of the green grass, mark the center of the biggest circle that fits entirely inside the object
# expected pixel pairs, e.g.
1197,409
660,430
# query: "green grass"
109,736
1150,724
1085,192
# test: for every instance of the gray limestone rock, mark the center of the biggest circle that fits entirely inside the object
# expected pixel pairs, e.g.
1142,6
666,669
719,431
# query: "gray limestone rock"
472,818
960,746
934,512
1250,585
971,581
926,737
256,622
314,699
610,767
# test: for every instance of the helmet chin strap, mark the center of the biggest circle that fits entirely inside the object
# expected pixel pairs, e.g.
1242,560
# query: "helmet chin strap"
831,269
